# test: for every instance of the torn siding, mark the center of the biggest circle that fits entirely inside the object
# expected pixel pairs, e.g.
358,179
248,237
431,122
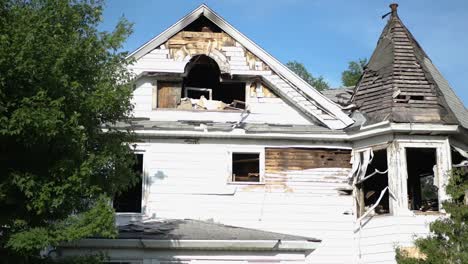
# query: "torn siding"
238,62
262,109
304,201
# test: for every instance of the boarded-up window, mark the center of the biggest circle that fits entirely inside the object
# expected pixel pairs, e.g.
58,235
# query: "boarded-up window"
285,159
129,201
246,167
169,94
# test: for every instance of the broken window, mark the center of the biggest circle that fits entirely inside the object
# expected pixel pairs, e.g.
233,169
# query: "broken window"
422,179
203,79
202,89
129,201
459,157
373,184
246,167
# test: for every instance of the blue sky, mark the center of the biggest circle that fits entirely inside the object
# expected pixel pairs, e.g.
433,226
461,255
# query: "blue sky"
323,34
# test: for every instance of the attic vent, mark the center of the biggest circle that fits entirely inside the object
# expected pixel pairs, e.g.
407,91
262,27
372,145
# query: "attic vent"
406,98
417,97
203,24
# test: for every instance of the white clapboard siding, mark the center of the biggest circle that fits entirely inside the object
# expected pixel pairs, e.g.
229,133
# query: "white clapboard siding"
191,181
377,239
142,95
263,110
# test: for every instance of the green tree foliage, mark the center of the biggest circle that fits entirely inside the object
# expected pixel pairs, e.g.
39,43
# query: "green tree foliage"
61,81
299,69
351,76
448,242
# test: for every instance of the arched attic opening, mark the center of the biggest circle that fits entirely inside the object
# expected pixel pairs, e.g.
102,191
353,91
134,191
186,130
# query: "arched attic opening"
205,88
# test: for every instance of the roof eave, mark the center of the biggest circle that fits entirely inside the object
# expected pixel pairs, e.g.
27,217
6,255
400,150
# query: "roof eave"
231,245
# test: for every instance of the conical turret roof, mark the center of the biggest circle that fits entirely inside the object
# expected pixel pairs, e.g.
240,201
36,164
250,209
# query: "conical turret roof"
400,84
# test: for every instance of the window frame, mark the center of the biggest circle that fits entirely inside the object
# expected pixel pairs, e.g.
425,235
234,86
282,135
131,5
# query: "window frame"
398,171
143,189
260,151
443,162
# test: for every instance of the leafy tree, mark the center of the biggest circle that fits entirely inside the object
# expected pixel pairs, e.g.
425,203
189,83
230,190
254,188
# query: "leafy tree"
448,242
351,76
61,82
299,69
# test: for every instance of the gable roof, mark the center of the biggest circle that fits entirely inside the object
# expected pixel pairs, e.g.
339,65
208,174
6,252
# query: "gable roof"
304,88
400,84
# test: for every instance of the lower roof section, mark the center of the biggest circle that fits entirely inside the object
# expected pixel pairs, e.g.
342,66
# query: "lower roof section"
194,234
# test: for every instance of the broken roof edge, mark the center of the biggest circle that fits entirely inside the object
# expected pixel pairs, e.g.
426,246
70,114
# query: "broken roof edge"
280,69
341,136
453,102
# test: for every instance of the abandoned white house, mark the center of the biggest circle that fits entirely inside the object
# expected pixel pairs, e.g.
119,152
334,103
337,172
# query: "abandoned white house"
244,162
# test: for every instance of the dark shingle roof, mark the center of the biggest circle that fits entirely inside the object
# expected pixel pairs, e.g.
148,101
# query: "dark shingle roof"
340,95
400,83
187,229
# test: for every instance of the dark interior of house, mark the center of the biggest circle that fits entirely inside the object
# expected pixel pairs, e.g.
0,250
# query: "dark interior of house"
422,193
129,201
203,72
374,185
246,167
203,24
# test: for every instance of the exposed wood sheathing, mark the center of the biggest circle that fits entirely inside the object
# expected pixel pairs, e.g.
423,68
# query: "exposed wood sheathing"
236,57
169,94
219,46
396,85
287,159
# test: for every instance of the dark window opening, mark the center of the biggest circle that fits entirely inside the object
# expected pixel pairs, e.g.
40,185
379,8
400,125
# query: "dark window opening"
201,89
373,186
231,93
417,97
422,193
457,158
202,86
193,92
129,201
406,98
245,167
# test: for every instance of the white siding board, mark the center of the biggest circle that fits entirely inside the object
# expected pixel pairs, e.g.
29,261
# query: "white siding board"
263,110
379,237
199,189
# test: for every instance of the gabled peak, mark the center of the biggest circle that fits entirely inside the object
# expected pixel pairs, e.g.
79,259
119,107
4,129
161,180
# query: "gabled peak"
231,45
203,24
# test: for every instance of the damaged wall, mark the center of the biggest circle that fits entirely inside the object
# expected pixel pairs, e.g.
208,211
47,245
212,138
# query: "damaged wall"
234,61
377,235
285,159
265,107
304,201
